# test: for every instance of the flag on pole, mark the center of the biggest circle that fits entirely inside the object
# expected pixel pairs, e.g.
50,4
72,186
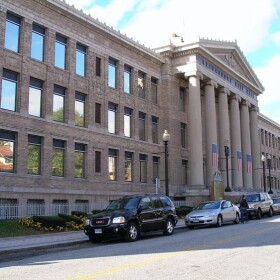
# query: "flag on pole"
239,160
249,163
214,155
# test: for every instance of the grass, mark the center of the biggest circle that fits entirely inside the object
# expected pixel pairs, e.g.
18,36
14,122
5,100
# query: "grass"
12,228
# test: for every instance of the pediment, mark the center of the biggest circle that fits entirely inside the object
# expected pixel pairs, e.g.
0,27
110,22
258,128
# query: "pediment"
230,55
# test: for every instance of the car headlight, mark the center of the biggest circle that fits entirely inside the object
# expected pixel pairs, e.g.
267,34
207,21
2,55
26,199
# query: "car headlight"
118,220
87,222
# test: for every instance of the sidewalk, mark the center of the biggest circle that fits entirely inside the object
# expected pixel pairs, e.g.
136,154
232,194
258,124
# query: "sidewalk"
50,240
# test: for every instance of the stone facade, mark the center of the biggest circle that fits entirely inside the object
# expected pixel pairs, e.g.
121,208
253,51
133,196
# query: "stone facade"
217,89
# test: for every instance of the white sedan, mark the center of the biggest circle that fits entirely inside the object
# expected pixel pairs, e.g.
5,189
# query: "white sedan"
215,212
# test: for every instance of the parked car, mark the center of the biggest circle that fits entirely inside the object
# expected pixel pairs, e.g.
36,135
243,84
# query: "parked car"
128,216
260,203
276,205
215,212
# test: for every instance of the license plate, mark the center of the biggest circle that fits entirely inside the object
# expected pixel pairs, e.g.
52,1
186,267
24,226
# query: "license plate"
196,221
98,231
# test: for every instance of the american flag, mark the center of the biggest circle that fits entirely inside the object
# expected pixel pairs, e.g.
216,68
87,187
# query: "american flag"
249,163
239,160
214,155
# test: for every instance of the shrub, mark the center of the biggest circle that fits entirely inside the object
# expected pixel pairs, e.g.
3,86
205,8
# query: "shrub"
182,211
95,211
79,213
70,218
49,221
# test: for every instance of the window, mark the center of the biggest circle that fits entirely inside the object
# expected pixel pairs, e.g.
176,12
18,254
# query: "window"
98,67
97,161
35,97
12,32
143,168
81,60
141,84
142,117
127,122
155,129
182,99
7,151
60,52
82,206
183,135
112,164
154,90
128,166
80,109
155,169
58,103
60,206
34,155
37,42
184,172
58,158
262,137
265,137
127,79
35,207
112,73
97,113
79,160
9,209
112,108
9,90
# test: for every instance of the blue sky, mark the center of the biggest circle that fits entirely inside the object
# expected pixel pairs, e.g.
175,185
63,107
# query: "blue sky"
255,24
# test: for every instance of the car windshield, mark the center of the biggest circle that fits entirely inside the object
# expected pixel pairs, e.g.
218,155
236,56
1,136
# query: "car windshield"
276,200
252,197
208,205
126,203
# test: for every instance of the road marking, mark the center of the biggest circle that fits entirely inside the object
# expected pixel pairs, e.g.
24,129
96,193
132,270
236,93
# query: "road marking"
164,256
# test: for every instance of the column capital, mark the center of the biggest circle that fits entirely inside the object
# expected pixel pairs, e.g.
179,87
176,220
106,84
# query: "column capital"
193,74
210,82
246,103
224,90
234,96
254,108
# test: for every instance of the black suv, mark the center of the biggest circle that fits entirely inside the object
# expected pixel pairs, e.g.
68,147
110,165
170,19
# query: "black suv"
130,215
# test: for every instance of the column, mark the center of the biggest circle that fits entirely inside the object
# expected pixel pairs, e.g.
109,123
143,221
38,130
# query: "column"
210,131
235,133
246,146
195,125
224,135
256,162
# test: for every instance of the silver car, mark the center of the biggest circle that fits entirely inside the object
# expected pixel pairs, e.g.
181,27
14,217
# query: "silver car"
276,205
215,212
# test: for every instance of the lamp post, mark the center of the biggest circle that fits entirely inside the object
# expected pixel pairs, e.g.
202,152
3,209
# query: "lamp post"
269,167
166,138
226,146
264,179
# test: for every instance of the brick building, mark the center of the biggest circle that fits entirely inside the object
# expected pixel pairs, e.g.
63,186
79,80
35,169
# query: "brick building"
83,110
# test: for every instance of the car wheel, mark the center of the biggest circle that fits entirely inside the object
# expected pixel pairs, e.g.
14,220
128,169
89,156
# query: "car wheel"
236,221
270,212
168,227
94,239
132,232
219,221
259,214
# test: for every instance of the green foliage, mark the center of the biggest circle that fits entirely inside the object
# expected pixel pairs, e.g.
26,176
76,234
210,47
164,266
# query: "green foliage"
49,221
95,211
182,211
33,159
79,213
70,218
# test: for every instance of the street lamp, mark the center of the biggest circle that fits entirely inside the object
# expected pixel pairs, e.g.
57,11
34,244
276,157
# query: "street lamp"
269,167
166,138
264,179
226,146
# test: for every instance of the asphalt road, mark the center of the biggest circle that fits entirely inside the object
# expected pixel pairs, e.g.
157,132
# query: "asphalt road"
244,251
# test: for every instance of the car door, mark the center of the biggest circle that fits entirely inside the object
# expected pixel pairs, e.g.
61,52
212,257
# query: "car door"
159,212
228,211
147,214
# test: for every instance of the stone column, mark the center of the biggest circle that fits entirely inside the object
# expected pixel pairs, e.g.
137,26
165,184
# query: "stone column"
257,171
246,145
195,125
210,130
224,134
236,151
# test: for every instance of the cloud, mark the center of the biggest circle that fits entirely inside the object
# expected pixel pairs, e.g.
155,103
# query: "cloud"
269,102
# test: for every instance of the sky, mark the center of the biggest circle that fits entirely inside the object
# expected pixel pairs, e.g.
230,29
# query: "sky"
254,24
